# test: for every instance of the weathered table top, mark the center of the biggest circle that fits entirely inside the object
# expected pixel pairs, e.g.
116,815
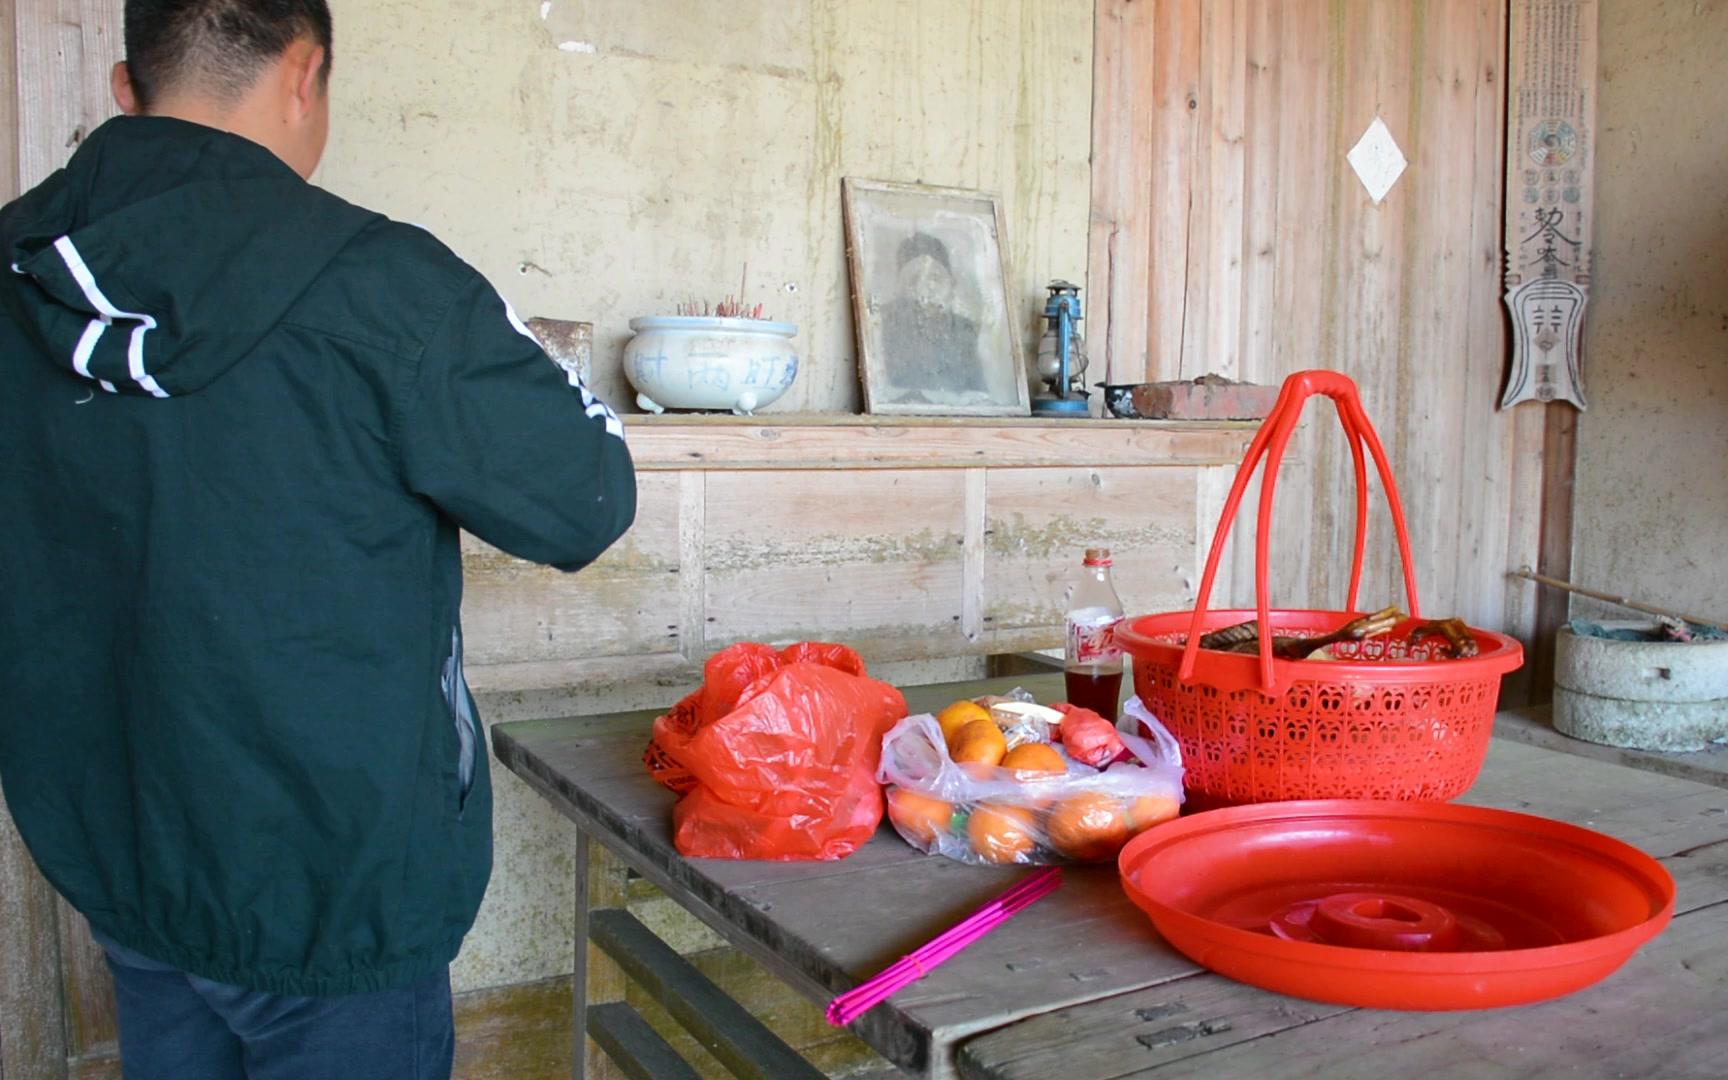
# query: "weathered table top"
1079,986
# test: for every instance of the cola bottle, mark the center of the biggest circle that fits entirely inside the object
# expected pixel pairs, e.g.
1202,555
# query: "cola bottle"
1093,661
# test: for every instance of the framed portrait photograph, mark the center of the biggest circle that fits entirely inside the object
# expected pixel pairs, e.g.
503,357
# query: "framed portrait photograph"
936,333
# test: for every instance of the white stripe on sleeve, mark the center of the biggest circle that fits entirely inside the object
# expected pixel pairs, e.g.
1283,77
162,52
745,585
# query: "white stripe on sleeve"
92,292
86,346
516,321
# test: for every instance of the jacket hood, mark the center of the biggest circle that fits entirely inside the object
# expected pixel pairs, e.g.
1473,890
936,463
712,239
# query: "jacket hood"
164,252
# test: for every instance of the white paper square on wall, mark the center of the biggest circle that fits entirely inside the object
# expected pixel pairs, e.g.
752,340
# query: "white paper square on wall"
1377,160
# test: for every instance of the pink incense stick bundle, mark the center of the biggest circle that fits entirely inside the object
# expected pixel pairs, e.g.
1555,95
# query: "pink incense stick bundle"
919,963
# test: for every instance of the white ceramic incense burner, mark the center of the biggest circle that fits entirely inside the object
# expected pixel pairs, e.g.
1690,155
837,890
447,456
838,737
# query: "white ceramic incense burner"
700,362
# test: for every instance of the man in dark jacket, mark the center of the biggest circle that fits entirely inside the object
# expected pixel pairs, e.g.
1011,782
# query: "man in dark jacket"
241,423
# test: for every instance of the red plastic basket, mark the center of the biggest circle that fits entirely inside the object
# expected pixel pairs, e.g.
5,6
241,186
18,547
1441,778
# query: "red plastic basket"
1385,722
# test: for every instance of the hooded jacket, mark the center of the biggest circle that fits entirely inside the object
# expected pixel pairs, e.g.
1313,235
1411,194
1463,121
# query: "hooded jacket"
241,421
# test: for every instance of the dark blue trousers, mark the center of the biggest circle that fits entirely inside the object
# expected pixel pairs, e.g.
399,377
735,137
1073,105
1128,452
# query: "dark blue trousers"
175,1026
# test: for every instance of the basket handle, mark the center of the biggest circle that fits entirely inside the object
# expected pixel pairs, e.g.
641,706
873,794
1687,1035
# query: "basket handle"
1268,445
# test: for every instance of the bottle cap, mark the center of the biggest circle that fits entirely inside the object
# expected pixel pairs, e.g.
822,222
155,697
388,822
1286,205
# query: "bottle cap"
1097,556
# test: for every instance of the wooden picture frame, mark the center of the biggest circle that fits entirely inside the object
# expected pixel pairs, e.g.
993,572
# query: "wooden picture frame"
936,327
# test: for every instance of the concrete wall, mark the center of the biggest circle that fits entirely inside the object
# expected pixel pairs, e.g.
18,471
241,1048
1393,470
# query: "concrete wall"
1652,496
604,159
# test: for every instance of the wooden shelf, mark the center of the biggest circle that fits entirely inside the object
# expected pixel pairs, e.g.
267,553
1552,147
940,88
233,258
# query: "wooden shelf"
842,441
820,419
909,539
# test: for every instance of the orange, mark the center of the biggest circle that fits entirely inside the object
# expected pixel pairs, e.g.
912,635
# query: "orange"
980,741
978,771
1000,834
920,818
1032,760
957,716
1149,810
1089,826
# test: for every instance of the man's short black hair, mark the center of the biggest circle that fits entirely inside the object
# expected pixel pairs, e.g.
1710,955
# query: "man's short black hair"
217,46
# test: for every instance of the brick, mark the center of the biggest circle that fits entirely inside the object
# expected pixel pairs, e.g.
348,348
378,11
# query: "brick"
569,344
1207,398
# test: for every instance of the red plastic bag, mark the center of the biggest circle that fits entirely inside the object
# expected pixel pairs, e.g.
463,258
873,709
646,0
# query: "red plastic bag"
776,755
1088,737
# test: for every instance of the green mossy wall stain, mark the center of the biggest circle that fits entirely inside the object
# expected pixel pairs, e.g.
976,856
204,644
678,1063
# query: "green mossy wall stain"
1068,538
761,553
624,558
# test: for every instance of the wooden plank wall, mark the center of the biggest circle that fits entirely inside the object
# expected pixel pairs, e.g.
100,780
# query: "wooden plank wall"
1254,252
65,51
31,1031
56,997
908,541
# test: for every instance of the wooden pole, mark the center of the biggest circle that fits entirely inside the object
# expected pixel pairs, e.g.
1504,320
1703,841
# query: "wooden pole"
1555,583
1554,553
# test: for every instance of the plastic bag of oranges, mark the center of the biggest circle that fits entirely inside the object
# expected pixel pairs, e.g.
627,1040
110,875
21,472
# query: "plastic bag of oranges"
956,788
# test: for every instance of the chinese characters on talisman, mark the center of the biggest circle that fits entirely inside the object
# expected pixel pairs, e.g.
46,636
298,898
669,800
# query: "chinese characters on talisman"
1549,164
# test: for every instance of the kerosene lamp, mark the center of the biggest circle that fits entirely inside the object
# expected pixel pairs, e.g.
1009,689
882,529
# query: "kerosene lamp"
1062,355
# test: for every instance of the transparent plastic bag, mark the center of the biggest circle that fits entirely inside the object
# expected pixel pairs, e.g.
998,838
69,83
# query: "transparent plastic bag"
1019,693
1145,737
991,815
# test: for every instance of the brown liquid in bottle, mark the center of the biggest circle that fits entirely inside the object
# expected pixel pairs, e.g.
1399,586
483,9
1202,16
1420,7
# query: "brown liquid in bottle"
1096,690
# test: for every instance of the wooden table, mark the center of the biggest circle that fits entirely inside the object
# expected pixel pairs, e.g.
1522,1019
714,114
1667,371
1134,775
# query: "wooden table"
1080,987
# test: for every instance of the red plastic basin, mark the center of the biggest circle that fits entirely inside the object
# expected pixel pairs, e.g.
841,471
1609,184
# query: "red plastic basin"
1397,905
